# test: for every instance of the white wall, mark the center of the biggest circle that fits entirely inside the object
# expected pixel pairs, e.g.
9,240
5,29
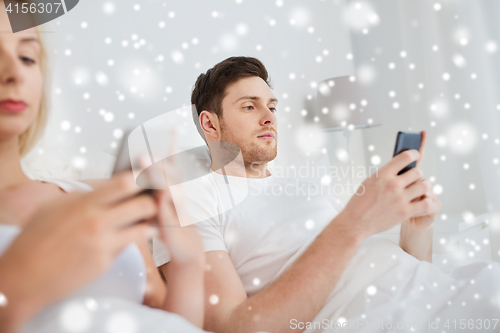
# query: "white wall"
169,43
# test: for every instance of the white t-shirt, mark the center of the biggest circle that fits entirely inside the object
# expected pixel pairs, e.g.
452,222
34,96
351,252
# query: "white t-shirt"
261,222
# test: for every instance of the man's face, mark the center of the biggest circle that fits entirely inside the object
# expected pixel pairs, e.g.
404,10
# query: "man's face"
248,113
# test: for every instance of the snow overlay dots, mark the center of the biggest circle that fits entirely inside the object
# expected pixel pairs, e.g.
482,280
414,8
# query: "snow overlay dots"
375,160
360,16
371,290
256,281
213,299
101,78
438,189
309,224
437,6
75,317
461,36
108,117
79,162
242,29
446,76
108,8
325,180
118,133
65,125
491,47
177,56
459,60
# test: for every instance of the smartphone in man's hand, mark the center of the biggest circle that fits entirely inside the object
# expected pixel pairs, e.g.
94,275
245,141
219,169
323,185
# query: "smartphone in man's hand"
407,141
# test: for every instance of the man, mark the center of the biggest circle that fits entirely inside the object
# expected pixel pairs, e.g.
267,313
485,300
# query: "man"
272,260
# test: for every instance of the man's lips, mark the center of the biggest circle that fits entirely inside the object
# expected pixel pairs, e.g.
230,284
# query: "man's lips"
267,136
13,106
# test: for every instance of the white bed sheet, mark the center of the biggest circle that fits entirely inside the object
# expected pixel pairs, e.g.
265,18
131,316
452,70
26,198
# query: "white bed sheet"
385,287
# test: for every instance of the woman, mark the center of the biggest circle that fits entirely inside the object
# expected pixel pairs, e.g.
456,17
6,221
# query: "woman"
56,246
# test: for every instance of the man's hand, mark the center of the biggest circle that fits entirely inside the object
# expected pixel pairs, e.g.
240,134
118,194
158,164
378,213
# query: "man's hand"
385,199
416,232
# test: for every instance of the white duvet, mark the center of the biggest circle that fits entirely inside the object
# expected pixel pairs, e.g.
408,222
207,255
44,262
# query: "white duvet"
384,289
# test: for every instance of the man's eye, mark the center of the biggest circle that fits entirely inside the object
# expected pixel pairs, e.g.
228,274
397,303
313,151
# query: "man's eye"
273,109
248,106
27,60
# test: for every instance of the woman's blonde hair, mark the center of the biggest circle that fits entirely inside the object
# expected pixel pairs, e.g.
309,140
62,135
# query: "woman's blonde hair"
32,134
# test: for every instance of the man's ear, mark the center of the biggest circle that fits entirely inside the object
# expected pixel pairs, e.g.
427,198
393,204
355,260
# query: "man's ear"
209,123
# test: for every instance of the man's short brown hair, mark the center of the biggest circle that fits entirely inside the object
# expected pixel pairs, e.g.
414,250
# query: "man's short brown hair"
210,88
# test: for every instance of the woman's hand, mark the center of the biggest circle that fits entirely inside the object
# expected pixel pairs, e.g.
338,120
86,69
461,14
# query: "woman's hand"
70,242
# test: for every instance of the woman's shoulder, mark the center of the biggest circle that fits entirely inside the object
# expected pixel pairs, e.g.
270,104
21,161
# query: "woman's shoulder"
68,185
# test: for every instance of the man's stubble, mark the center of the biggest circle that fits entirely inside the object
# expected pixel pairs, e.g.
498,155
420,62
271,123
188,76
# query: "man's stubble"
251,151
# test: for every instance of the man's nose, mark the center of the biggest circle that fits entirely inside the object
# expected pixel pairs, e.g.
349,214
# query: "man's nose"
269,118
